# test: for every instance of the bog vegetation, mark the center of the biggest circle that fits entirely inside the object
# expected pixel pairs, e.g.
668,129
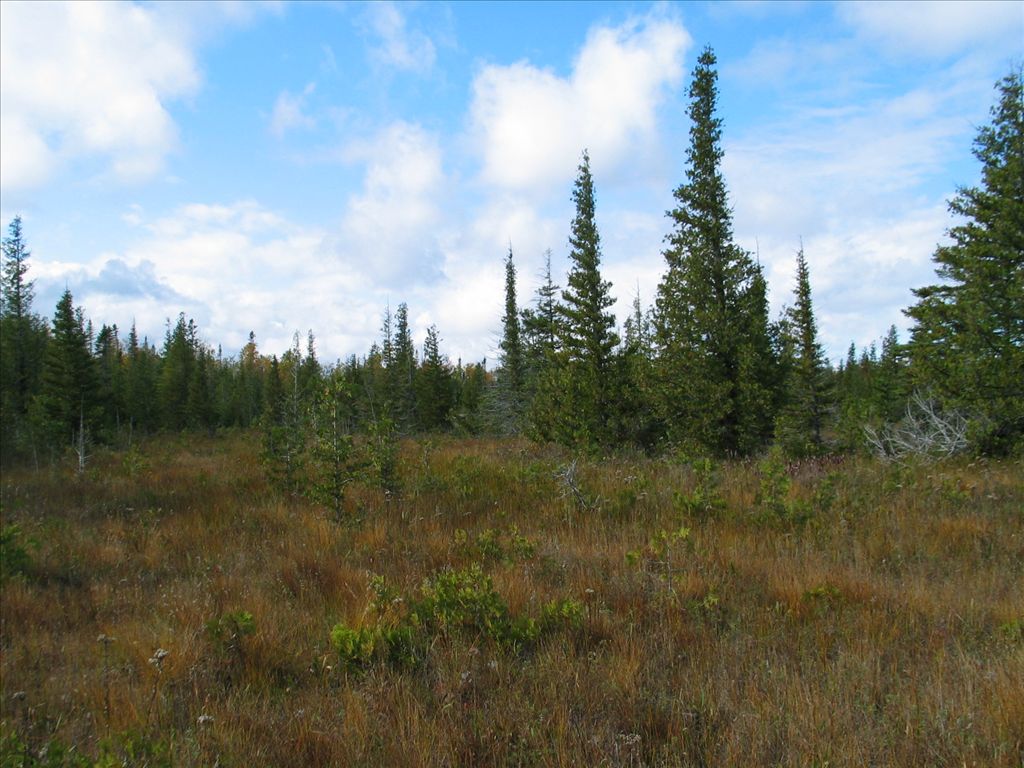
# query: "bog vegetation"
692,543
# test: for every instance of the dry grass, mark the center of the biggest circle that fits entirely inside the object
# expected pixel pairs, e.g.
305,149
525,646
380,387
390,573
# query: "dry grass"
886,631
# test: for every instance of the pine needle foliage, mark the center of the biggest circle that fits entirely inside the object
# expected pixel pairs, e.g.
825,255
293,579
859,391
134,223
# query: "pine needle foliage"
711,313
968,341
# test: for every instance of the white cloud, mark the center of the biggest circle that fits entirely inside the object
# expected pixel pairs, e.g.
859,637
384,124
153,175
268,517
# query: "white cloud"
396,45
82,79
391,227
864,186
289,112
936,27
531,124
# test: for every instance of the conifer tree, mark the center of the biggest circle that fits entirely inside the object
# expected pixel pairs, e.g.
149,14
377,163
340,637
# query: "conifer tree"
200,410
588,338
333,462
110,369
179,356
513,375
401,372
311,372
541,325
889,380
711,319
23,336
140,384
801,423
968,342
66,405
434,385
640,424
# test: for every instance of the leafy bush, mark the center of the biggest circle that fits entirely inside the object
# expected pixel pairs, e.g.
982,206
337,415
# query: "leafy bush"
452,602
773,503
14,557
227,631
705,499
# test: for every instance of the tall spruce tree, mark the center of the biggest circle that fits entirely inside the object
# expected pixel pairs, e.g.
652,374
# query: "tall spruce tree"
23,336
401,373
800,425
588,337
714,348
511,340
968,342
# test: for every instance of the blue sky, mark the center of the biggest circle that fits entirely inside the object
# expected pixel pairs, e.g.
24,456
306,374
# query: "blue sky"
280,167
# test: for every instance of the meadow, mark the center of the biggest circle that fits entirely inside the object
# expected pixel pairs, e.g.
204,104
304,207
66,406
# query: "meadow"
513,606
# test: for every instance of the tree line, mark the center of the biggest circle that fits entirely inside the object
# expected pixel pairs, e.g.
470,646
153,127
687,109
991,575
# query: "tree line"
703,370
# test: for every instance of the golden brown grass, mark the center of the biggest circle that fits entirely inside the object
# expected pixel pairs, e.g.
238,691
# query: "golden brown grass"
886,631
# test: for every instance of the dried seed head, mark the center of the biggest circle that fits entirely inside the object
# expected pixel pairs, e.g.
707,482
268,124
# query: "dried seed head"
205,720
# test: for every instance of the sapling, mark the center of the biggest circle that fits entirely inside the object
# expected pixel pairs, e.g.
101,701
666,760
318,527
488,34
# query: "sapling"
333,463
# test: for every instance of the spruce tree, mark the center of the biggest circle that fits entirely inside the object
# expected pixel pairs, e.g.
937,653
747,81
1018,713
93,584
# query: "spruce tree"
435,392
179,358
332,460
541,325
638,418
23,336
110,367
588,338
511,341
66,405
401,372
141,405
711,319
801,423
967,345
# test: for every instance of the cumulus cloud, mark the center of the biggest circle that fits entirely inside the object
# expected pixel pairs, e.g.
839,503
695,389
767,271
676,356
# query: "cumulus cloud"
82,79
395,45
530,124
390,228
936,27
289,112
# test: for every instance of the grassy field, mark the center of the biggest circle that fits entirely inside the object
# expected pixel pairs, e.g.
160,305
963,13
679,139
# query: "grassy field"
649,612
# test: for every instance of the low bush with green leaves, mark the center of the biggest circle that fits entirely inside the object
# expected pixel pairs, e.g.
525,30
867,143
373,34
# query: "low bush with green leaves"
774,503
452,602
705,499
14,556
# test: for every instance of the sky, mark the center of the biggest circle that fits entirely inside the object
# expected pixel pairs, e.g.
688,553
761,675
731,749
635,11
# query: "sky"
280,167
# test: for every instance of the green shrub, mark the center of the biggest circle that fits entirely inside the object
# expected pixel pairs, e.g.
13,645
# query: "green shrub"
14,557
773,503
452,602
705,499
227,631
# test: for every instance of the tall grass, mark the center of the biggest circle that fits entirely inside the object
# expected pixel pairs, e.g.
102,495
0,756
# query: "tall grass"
864,614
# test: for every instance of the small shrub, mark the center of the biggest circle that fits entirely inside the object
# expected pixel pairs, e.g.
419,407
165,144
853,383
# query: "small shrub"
355,647
227,631
706,498
494,546
14,556
773,502
449,603
1013,630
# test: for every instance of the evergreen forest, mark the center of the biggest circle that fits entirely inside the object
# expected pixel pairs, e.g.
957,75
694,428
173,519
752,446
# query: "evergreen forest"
704,370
